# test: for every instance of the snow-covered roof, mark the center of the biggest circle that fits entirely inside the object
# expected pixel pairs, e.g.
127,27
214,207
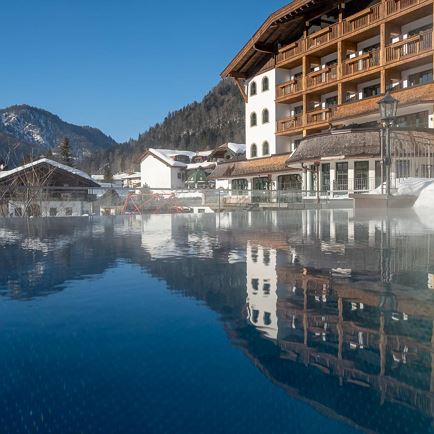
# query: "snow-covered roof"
168,155
61,166
204,153
237,148
204,165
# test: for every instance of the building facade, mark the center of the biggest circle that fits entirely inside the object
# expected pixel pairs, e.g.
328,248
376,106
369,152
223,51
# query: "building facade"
320,66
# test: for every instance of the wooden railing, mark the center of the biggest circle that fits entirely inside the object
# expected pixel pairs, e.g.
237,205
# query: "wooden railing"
322,76
289,124
288,88
323,36
409,47
362,63
318,116
395,6
291,50
363,19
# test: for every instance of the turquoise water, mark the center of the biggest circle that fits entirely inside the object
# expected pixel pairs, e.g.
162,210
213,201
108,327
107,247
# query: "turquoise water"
253,322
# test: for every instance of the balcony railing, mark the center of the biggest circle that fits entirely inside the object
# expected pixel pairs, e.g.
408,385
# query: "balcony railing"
323,36
318,116
291,50
362,63
322,76
288,124
409,47
363,19
395,6
289,88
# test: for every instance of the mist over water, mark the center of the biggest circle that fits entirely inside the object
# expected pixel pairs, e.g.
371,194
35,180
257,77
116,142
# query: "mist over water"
300,321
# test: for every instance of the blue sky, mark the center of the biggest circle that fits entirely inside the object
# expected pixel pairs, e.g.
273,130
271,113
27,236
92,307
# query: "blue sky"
120,66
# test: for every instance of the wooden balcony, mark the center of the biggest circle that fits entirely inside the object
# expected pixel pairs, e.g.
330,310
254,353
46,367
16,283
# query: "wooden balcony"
363,19
289,124
409,47
411,95
319,116
288,90
396,6
322,77
323,36
290,51
362,63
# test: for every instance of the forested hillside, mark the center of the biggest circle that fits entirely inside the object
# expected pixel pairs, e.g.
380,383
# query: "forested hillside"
217,119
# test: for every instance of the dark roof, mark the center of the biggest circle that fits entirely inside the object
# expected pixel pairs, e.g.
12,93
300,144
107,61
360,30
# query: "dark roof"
356,143
258,166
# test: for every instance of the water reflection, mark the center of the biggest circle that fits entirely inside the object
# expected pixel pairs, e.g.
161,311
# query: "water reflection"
335,309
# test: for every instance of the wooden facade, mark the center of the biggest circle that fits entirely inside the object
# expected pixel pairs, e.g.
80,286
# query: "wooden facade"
351,66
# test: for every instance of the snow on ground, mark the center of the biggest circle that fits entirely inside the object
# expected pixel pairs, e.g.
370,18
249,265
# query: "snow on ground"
421,187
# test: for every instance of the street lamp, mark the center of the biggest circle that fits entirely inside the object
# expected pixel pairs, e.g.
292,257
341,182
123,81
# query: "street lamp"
388,108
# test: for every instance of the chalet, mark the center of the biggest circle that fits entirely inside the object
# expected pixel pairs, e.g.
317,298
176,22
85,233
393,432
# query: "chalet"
46,188
311,78
170,169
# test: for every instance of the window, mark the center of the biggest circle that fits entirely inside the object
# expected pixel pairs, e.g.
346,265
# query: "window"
18,212
298,110
266,257
267,318
342,176
53,212
255,316
331,101
253,120
325,177
265,148
253,89
414,120
371,91
402,168
240,184
255,254
265,84
361,175
255,284
265,116
68,211
420,78
253,151
266,288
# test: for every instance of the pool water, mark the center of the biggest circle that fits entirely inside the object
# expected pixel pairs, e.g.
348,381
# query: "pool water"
261,322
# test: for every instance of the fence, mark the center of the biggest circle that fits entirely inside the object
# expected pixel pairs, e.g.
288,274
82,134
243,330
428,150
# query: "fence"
75,201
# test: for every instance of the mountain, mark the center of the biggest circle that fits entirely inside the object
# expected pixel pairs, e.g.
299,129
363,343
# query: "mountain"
29,130
217,119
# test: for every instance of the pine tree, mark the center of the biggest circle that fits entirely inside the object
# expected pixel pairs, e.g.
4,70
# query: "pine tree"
65,152
108,175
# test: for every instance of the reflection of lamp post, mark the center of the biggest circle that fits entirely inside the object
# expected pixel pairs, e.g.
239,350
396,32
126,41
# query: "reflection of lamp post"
388,107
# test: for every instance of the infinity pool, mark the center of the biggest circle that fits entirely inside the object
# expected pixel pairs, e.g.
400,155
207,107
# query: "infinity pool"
262,322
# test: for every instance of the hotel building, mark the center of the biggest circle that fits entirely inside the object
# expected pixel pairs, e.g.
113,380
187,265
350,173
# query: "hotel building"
311,78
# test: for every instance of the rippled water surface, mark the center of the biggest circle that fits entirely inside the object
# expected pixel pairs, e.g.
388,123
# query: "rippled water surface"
278,322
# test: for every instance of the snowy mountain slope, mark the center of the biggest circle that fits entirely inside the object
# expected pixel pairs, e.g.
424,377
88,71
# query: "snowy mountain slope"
32,130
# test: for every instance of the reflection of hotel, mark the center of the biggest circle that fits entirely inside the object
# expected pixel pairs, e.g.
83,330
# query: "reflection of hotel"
373,339
262,289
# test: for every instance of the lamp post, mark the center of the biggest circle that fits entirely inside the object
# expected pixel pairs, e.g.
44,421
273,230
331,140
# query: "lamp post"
388,107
